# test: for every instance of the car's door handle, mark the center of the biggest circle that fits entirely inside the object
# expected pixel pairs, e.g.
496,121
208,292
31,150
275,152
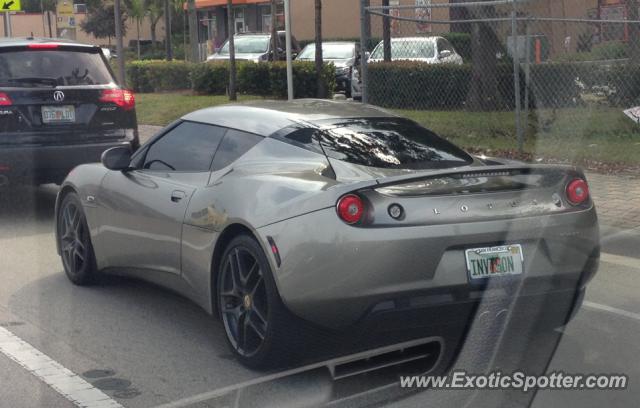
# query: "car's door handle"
177,195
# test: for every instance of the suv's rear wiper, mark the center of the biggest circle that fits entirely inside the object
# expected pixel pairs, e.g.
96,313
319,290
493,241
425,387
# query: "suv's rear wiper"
31,80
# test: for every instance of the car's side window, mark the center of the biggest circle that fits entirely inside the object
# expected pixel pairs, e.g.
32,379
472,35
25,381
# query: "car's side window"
234,145
187,147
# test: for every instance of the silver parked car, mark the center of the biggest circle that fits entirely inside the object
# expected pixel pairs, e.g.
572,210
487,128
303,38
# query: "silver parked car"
342,54
281,215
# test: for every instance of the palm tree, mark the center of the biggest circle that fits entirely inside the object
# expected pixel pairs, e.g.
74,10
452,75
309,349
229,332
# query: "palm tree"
136,10
155,10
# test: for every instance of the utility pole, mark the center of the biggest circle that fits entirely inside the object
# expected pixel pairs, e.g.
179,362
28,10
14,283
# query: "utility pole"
193,30
119,45
287,27
167,30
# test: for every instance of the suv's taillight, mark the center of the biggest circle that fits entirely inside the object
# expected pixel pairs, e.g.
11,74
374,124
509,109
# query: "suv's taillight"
350,208
577,191
120,97
5,100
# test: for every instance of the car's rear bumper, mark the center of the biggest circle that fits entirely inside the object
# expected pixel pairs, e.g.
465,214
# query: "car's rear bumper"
336,275
39,164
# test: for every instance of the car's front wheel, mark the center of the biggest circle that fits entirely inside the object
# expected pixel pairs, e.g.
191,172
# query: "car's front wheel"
74,242
256,323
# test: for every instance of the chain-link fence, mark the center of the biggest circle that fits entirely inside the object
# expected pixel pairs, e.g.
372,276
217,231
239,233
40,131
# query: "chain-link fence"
509,75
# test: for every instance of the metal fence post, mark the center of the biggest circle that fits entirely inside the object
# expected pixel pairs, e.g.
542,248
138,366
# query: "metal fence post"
516,75
363,50
527,74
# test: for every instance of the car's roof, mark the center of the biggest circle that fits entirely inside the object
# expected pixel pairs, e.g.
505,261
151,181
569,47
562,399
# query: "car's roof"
266,117
25,41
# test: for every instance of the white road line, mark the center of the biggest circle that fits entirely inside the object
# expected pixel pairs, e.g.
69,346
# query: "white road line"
64,381
620,260
605,308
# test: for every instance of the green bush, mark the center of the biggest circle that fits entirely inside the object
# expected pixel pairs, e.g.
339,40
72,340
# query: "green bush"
158,75
210,78
416,85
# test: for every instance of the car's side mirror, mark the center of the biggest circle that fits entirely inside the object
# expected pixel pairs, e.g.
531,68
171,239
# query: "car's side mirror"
117,158
367,55
444,54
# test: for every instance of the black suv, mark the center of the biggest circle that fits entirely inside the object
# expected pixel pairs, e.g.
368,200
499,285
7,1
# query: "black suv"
60,106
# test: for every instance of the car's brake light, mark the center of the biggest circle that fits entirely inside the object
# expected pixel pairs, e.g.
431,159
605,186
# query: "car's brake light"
5,100
577,191
44,46
350,208
120,97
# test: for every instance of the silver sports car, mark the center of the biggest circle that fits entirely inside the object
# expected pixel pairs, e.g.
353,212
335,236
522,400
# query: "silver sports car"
335,215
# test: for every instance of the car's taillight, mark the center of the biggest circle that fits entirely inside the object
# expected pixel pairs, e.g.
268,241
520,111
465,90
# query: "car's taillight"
577,191
350,208
121,97
44,46
5,100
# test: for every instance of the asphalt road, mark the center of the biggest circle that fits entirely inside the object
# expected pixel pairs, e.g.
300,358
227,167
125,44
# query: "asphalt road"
143,346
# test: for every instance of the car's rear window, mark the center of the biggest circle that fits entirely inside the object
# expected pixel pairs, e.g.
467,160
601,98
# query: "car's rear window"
380,142
67,68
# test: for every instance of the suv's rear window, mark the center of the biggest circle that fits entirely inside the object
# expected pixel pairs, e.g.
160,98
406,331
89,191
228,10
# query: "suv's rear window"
65,67
381,142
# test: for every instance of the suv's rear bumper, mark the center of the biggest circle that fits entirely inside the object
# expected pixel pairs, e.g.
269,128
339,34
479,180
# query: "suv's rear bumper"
49,164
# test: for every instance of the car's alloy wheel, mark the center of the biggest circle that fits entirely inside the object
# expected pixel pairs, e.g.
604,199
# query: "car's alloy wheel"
74,242
258,327
243,301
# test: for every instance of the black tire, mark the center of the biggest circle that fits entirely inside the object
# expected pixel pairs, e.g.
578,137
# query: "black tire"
258,327
74,240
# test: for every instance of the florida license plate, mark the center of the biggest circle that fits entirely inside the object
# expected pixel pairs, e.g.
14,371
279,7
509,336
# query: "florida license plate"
58,114
488,262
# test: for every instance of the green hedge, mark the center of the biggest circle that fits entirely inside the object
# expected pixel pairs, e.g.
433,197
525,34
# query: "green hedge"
415,85
264,79
158,75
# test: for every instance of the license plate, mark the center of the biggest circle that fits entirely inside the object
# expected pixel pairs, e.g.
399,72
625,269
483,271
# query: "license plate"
488,262
58,114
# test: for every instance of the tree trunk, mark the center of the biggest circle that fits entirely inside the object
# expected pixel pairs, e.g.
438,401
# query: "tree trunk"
232,52
275,55
193,30
386,33
152,27
634,31
138,36
167,31
483,92
322,91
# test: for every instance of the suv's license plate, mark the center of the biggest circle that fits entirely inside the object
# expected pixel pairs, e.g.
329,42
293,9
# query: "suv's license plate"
488,262
58,114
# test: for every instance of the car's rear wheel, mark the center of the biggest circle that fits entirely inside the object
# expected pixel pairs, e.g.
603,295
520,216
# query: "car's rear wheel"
251,311
74,242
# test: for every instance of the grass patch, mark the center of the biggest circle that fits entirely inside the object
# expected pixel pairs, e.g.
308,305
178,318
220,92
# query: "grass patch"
163,108
586,135
576,135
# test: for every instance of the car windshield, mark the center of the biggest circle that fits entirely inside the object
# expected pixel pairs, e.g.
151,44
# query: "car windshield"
249,44
329,51
407,49
58,67
387,143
